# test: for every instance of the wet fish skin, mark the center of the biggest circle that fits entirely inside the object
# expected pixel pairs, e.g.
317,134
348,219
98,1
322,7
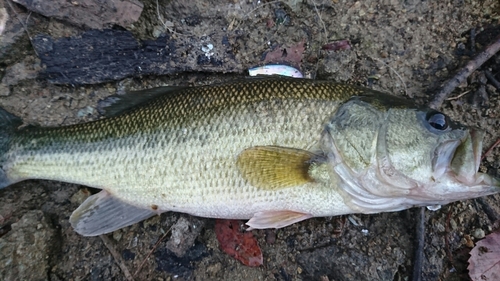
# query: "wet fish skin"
188,150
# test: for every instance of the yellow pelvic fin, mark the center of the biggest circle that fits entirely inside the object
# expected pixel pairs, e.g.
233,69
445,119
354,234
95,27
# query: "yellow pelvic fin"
274,167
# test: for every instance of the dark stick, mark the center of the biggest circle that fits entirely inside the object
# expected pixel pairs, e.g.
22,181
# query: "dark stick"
492,79
493,216
419,246
460,77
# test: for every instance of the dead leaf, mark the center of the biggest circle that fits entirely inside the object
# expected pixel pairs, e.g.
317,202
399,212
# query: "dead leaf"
237,243
484,263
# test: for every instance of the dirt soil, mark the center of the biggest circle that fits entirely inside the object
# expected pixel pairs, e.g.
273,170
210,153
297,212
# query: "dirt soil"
406,48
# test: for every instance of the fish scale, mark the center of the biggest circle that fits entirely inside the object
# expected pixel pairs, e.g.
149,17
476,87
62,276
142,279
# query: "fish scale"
183,151
188,144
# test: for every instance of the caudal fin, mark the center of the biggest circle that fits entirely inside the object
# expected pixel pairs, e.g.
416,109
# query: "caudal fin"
8,125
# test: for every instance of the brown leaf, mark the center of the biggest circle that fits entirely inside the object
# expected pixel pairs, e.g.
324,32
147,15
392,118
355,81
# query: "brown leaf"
238,244
484,263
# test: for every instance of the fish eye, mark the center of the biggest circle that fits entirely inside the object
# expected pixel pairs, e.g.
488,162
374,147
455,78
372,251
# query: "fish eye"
437,120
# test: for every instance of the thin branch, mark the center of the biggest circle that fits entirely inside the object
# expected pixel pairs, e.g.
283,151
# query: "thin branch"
497,143
492,215
465,72
419,246
118,258
321,21
24,24
492,79
151,251
459,96
394,70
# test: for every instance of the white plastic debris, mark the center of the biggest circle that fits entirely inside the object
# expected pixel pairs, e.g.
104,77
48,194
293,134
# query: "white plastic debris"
207,48
434,207
275,69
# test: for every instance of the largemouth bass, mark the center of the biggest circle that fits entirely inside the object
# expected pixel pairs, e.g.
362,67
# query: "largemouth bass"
274,151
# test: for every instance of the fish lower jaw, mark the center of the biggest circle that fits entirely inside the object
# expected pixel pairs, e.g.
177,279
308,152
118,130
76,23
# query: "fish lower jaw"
487,180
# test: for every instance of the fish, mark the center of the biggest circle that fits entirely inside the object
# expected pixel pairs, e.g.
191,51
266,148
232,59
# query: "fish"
273,151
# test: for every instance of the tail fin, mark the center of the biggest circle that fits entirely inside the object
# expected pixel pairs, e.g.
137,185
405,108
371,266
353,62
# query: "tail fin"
8,125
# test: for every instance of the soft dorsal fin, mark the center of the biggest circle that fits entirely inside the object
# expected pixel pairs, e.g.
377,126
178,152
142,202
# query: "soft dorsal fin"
117,104
102,213
274,167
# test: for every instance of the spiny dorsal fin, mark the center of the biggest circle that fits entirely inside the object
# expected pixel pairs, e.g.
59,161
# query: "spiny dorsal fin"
274,167
117,104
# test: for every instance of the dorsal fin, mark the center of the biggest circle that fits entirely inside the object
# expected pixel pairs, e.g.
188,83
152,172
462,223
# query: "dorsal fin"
117,104
274,167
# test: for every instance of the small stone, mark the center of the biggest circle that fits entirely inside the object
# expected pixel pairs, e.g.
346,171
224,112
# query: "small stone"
478,233
80,196
453,224
158,31
184,233
213,269
88,110
117,235
468,241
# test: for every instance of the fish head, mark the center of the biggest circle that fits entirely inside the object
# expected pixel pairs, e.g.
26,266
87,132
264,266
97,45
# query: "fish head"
388,154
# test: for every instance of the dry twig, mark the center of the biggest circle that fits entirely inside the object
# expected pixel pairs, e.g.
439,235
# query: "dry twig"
418,256
118,258
460,77
497,143
492,79
152,250
321,21
24,24
459,96
393,70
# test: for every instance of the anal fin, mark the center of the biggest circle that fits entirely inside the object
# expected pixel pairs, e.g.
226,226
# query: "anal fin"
276,219
102,213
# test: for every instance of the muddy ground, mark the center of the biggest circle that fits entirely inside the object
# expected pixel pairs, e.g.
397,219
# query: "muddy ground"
407,48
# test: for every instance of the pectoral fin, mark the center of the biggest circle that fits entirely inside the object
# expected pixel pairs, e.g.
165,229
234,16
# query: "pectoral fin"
276,219
274,167
102,213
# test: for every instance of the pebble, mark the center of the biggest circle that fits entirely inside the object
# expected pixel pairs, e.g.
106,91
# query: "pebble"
478,233
184,233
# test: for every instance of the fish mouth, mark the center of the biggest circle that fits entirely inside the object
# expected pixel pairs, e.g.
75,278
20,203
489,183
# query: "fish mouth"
460,159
